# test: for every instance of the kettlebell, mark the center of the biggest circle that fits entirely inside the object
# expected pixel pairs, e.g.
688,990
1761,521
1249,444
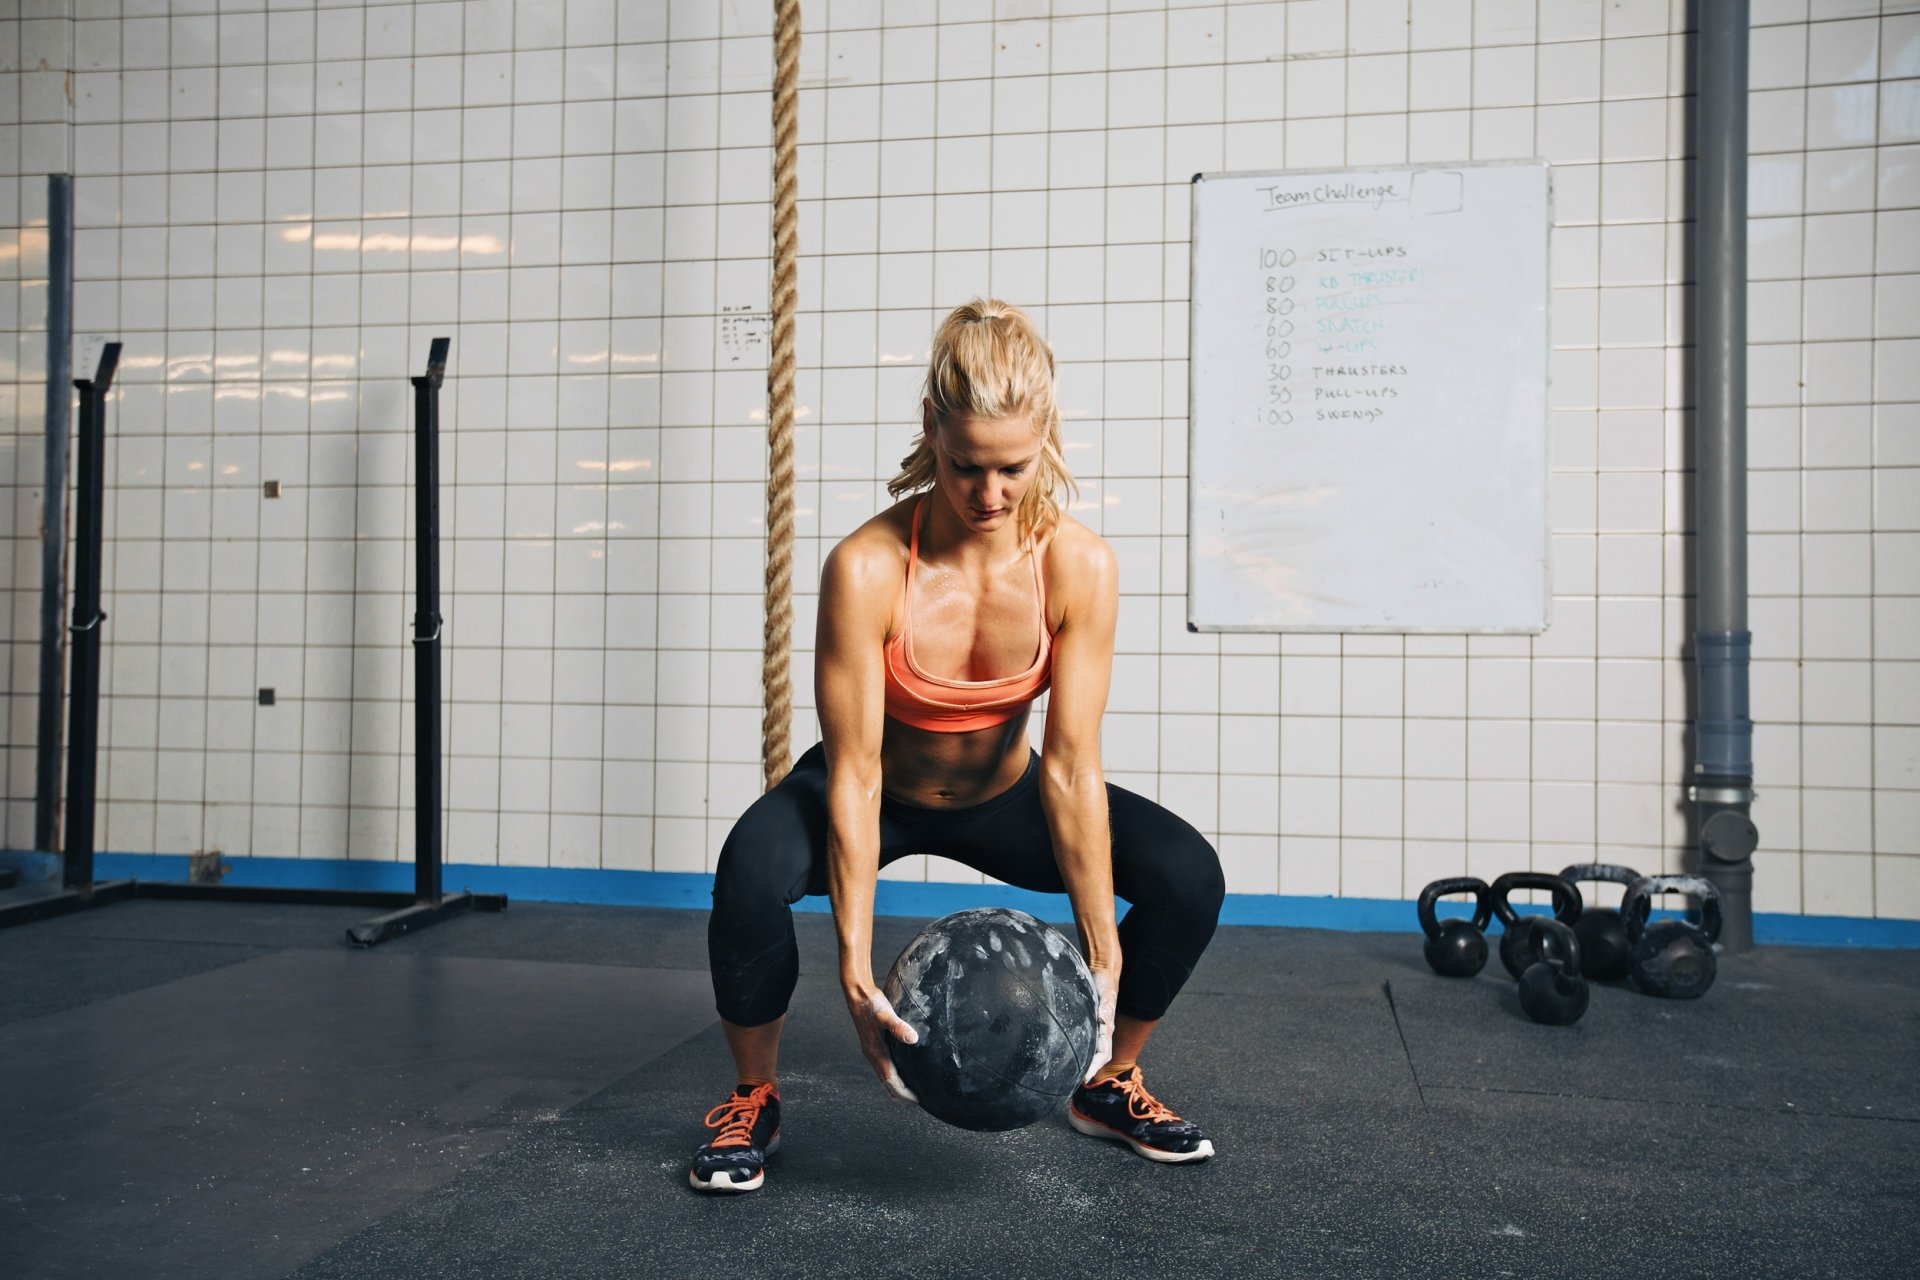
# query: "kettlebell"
1674,958
1566,909
1551,988
1456,947
1603,934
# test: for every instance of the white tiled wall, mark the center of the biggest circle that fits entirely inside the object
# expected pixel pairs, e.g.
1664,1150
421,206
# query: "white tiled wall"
280,205
35,125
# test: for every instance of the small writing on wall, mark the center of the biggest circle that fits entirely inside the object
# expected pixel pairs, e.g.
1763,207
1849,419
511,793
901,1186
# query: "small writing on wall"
742,339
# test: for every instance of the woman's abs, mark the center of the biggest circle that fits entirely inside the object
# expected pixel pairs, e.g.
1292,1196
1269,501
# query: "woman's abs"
952,770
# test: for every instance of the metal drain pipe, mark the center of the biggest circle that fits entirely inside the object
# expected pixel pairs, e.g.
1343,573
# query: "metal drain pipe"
1721,786
53,508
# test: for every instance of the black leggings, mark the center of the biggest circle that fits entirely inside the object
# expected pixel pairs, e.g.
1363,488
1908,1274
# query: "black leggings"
777,853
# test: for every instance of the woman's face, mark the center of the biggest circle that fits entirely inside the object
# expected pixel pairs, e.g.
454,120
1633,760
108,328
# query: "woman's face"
983,465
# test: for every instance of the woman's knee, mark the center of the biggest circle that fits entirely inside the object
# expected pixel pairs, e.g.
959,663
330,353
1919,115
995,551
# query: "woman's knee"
1177,871
773,852
1181,916
751,876
1204,882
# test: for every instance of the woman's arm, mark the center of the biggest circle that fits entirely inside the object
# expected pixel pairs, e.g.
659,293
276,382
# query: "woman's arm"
1073,788
857,589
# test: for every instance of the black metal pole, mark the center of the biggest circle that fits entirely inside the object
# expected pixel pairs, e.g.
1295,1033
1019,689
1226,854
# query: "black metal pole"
84,713
426,626
53,508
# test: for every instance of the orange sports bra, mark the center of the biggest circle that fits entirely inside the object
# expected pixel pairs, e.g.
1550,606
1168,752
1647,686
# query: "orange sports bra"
955,706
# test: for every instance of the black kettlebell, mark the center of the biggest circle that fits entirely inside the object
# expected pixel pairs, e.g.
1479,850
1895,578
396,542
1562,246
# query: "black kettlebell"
1551,988
1673,958
1566,909
1456,947
1604,951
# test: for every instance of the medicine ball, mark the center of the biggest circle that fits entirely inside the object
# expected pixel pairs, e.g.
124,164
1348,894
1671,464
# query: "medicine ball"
1005,1009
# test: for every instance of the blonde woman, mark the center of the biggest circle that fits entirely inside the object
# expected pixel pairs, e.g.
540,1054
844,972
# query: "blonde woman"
941,620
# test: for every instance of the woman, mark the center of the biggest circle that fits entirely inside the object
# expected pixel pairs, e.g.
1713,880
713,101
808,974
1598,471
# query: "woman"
941,620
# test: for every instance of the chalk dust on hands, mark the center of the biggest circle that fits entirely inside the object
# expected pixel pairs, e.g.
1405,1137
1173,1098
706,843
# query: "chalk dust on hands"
1106,985
882,1015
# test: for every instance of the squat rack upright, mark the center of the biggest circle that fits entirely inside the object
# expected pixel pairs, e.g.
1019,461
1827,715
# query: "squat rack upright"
427,904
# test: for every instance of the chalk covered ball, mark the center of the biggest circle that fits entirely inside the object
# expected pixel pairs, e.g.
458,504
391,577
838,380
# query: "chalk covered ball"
1005,1009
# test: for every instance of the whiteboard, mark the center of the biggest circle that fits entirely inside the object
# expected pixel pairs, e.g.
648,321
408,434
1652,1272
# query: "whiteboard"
1368,401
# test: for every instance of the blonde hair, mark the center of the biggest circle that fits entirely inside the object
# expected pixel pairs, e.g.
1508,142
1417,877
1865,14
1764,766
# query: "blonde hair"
989,362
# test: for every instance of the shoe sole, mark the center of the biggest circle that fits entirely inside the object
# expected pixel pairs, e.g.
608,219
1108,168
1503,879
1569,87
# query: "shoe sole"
723,1185
1094,1129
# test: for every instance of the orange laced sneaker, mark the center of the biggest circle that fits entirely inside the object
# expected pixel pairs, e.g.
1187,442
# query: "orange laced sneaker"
735,1158
1120,1109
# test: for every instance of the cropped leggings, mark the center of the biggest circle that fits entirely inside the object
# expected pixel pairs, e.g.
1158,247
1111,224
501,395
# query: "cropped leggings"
777,853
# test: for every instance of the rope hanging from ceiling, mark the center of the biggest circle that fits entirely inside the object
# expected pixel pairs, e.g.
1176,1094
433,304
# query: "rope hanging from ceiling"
777,653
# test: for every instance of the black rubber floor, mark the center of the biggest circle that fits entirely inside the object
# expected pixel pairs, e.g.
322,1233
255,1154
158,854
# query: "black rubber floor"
215,1090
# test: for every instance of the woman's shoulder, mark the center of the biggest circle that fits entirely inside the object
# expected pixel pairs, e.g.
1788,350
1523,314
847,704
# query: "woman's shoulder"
1074,549
876,552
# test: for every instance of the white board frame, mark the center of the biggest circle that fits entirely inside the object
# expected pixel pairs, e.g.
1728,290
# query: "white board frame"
1536,620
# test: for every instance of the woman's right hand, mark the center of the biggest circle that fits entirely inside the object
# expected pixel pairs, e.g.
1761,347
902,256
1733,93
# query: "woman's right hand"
874,1020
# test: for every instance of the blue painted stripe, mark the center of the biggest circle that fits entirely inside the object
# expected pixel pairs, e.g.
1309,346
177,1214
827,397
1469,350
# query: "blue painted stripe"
901,897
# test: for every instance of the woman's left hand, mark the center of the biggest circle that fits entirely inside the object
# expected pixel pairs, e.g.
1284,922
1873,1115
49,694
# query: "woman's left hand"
1106,990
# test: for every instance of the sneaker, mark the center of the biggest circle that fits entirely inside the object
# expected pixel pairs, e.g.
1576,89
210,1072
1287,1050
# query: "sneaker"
736,1158
1120,1108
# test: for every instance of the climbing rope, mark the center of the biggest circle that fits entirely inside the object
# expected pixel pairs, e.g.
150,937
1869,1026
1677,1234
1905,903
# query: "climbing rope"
776,662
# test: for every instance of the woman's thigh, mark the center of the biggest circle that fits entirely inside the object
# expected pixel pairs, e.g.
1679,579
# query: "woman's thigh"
1158,856
782,840
778,847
